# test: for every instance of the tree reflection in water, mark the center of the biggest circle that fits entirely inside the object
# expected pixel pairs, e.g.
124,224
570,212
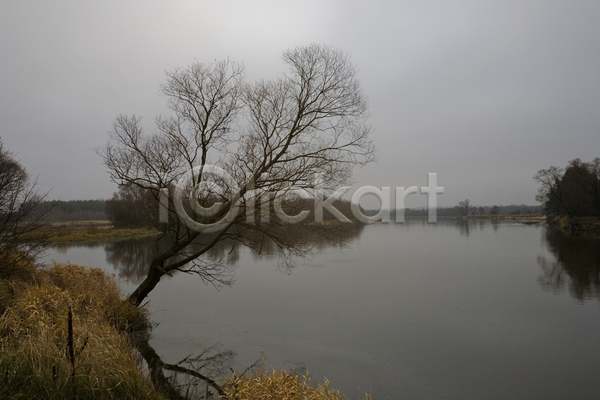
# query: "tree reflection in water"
194,377
131,258
467,226
577,264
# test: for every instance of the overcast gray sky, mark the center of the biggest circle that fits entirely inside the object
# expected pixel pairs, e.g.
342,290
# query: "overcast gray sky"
484,93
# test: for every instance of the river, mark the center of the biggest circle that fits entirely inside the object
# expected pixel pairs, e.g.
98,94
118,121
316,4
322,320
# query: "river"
457,309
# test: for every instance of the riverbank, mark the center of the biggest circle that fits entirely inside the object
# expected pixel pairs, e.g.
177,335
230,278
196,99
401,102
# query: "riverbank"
67,332
64,335
92,231
519,218
577,224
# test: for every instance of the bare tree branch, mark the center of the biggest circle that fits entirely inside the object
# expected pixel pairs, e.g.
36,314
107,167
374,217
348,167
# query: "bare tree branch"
270,138
21,213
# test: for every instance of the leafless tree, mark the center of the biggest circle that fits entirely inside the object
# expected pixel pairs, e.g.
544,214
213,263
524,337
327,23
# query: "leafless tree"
269,138
550,193
132,207
20,215
572,191
465,207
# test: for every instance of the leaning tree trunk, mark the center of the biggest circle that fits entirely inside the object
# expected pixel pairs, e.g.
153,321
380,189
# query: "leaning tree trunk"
147,285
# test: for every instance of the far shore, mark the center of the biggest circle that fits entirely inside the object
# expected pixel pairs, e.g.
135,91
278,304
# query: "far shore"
92,231
102,231
522,218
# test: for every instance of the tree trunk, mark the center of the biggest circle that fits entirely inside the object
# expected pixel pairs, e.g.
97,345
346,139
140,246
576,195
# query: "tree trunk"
144,288
155,365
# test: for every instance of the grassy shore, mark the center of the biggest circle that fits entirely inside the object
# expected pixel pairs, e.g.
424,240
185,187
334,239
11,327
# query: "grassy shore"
99,236
92,231
577,224
278,385
522,218
63,334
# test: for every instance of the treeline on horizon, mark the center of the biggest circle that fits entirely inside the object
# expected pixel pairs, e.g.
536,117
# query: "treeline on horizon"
457,211
572,191
135,213
133,207
74,210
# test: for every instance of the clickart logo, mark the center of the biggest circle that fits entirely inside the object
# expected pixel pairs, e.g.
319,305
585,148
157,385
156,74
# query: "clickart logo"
219,186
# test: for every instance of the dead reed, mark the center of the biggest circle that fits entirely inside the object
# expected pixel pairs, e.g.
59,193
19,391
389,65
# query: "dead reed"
97,235
278,385
63,337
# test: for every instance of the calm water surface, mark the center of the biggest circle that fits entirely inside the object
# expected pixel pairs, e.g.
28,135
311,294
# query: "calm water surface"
417,311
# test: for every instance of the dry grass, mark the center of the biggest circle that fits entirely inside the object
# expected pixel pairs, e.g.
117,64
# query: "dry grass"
35,355
578,224
17,265
278,385
34,360
97,235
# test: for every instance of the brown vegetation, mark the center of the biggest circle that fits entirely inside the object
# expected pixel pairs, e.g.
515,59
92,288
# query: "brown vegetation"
278,385
580,224
523,218
98,235
65,333
34,338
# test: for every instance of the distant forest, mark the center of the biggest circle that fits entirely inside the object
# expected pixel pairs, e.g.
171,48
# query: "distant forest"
74,210
484,210
95,210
